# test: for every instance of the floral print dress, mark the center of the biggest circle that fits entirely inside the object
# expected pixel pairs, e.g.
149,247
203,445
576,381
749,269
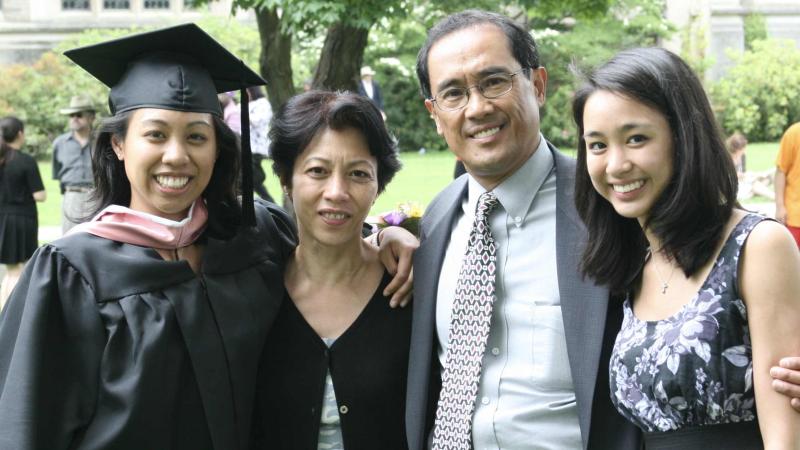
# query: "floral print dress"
695,367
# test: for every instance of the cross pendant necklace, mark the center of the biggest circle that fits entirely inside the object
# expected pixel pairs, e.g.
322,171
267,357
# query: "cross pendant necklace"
664,283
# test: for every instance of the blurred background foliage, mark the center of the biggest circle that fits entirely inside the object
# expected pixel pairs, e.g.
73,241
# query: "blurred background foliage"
760,94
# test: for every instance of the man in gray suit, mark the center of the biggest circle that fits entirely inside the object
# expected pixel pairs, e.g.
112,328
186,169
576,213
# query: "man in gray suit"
543,381
544,378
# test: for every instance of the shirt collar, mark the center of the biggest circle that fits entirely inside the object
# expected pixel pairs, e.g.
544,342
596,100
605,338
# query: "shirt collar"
72,137
516,193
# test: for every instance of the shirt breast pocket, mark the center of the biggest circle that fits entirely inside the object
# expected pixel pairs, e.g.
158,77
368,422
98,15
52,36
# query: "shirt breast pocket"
549,349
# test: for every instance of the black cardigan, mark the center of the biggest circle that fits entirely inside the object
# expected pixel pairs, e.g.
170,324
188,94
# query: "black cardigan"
368,365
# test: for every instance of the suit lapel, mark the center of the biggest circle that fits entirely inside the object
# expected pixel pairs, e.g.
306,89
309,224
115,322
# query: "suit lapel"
428,259
584,305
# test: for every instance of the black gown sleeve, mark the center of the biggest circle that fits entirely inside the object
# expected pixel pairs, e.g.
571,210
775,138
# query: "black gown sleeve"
284,238
51,343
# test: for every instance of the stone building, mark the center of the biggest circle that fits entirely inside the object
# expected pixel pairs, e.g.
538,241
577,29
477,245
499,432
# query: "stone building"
711,28
30,27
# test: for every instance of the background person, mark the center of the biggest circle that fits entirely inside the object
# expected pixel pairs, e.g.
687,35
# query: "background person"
20,188
72,162
231,112
787,181
260,117
369,88
337,349
711,290
750,183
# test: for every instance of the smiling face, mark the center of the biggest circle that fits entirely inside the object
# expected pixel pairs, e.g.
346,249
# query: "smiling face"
334,184
493,137
169,157
629,152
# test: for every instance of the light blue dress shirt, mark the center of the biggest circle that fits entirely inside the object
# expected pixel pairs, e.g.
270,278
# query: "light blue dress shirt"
526,399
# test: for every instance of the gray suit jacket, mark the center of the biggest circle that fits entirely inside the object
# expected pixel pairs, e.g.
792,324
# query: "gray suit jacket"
591,321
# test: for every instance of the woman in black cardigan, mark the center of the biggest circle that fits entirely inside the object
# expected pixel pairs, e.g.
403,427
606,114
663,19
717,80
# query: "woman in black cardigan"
335,363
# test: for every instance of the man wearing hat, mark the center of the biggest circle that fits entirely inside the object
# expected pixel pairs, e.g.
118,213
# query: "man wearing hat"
72,161
368,87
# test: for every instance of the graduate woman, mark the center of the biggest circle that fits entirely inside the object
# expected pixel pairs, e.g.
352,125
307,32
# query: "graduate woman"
142,328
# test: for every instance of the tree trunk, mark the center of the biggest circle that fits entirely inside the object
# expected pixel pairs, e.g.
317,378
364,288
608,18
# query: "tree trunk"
276,57
340,59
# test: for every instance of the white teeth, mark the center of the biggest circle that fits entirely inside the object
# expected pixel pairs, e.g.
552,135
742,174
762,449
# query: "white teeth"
487,133
334,216
172,182
623,188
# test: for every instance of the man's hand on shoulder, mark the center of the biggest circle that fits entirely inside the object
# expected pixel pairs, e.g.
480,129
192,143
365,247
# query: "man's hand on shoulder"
786,379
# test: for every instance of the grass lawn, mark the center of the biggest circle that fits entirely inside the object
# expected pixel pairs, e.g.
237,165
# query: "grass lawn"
420,179
50,210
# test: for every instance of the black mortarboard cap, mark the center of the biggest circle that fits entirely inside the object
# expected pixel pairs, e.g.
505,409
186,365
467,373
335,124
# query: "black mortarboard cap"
179,68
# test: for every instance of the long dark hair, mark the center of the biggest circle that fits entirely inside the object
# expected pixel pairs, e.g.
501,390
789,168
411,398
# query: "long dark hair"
10,127
691,213
112,186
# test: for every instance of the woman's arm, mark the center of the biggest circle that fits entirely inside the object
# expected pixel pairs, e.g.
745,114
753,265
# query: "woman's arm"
40,196
770,287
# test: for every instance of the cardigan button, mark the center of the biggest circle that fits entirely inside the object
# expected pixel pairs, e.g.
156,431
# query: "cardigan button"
343,409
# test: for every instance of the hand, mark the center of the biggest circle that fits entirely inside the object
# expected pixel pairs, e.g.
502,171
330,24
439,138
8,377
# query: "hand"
780,213
786,379
397,248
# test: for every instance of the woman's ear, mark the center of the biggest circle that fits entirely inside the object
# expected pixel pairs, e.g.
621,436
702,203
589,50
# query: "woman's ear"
118,147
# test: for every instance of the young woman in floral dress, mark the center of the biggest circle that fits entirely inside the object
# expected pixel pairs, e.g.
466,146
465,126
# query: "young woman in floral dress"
710,291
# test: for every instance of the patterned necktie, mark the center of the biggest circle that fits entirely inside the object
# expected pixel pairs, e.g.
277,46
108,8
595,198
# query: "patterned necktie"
469,328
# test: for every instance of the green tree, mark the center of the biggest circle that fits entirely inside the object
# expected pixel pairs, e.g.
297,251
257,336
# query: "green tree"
755,28
760,94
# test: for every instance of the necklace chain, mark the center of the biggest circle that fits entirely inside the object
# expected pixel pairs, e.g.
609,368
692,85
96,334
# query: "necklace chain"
664,283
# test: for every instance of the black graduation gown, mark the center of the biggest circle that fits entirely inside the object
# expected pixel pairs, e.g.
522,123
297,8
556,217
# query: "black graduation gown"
105,345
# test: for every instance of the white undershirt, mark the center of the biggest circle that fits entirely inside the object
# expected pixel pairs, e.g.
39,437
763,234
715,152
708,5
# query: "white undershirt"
368,88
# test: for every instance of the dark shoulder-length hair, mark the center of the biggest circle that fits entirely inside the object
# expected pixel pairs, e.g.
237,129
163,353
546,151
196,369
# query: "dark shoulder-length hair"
690,214
10,127
112,186
305,115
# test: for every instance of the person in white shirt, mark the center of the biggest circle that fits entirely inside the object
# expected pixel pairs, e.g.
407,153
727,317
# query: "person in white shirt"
260,116
368,87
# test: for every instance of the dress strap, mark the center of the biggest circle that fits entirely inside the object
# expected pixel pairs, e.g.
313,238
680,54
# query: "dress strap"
733,246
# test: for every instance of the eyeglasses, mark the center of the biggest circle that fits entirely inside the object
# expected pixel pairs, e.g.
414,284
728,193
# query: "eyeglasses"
492,86
78,115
